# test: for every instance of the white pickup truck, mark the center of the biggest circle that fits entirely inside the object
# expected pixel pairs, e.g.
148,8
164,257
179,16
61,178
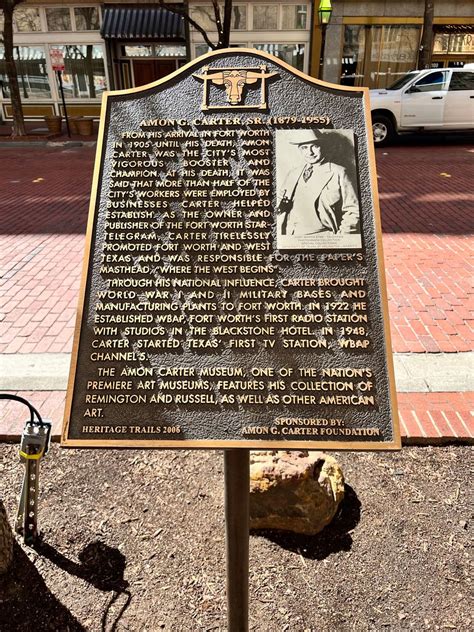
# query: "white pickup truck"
424,100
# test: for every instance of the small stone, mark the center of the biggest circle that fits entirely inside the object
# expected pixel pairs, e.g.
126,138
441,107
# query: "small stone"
294,491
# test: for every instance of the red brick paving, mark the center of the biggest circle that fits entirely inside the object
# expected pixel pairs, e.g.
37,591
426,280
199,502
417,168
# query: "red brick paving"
42,224
436,417
427,218
427,202
424,417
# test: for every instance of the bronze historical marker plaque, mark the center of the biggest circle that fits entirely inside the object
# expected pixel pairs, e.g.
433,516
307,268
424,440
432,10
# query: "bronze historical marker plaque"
233,292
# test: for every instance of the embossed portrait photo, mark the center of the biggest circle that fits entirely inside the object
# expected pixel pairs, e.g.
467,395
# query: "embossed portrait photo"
318,204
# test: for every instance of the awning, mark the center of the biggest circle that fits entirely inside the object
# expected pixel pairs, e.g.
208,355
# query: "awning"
141,23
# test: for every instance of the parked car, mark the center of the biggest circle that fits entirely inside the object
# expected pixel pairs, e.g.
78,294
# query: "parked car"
423,101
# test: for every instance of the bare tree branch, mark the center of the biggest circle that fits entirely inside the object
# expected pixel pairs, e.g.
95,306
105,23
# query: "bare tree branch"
182,12
222,25
227,23
217,17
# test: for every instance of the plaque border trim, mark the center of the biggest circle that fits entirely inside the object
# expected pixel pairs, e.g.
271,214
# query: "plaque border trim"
263,444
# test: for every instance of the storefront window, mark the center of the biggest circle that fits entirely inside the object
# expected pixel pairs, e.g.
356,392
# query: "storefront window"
293,54
170,50
201,49
27,19
453,43
204,15
353,55
294,16
58,19
265,17
84,73
154,50
138,50
87,18
441,43
239,18
376,56
30,64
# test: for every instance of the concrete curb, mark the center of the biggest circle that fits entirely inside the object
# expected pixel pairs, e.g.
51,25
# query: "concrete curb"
414,372
48,143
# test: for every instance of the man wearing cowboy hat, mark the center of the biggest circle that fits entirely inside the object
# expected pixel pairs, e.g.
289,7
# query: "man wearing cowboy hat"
318,196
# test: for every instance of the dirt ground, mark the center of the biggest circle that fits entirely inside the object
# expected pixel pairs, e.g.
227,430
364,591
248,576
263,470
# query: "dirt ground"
134,540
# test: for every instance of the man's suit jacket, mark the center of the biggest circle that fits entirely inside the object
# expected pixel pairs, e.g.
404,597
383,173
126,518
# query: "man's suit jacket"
333,200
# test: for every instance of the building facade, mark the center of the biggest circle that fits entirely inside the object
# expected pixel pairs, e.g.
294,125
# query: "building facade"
281,28
75,30
122,45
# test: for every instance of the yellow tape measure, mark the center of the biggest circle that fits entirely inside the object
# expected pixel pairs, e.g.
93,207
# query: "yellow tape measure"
34,457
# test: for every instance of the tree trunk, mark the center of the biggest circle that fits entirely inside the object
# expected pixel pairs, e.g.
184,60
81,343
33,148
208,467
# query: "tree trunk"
226,24
17,109
426,46
90,70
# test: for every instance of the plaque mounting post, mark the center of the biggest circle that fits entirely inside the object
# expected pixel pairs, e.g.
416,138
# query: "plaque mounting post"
237,489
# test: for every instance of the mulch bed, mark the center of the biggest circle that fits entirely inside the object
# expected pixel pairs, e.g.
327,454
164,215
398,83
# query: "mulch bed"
134,540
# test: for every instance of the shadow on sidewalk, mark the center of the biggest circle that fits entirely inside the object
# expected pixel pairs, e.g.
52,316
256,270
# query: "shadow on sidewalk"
334,538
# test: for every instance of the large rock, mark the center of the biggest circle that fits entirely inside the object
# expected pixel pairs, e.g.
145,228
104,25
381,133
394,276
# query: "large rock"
296,491
6,541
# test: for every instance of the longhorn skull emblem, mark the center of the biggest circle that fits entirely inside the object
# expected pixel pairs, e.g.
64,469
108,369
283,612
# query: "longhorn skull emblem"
234,80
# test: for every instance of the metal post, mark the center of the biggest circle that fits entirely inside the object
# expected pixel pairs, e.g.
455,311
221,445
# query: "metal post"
60,79
237,489
323,46
34,445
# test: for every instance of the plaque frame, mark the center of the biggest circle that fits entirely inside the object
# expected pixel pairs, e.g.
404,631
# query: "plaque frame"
213,444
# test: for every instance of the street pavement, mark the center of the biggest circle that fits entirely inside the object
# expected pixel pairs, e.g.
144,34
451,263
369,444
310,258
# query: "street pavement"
427,206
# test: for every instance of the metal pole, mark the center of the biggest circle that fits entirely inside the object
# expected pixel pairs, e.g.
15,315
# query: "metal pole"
323,45
60,79
237,489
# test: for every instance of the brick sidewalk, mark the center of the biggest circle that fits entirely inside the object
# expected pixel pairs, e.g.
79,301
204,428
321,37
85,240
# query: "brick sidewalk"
433,418
427,209
42,223
427,202
426,222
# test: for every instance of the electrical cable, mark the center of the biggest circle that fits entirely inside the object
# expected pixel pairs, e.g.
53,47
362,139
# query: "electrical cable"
32,409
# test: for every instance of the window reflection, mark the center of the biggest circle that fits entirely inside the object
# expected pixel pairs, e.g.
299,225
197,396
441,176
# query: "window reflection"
265,17
462,81
138,50
453,43
87,18
293,54
30,64
27,19
58,19
155,50
376,56
294,16
433,81
204,15
84,73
